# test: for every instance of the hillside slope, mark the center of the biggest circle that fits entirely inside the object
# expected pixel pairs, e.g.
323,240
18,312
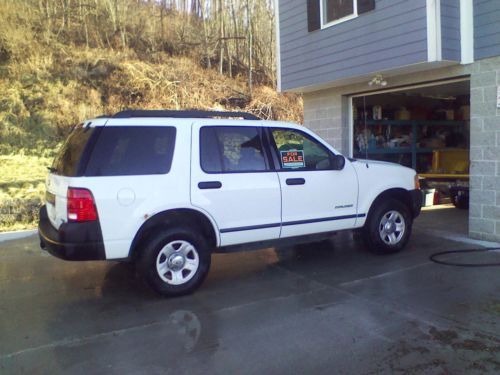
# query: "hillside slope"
50,81
46,94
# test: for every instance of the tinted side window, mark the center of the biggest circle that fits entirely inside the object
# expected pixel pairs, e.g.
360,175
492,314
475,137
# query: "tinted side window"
134,150
296,150
67,162
231,149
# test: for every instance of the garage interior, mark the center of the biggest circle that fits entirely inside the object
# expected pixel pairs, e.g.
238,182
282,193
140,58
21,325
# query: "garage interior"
424,127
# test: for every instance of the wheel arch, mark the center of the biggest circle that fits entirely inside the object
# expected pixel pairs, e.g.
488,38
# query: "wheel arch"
399,194
187,217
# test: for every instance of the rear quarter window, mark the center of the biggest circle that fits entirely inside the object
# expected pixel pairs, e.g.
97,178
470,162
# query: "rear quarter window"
132,150
69,160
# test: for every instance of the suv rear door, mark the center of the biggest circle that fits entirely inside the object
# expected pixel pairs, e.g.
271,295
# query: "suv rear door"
232,179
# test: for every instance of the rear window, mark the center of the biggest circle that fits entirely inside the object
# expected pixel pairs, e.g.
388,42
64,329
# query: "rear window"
68,161
132,150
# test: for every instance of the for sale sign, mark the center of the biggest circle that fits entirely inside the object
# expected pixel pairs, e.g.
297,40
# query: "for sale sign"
292,159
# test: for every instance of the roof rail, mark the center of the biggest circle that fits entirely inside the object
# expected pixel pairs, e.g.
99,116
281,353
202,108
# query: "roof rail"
183,114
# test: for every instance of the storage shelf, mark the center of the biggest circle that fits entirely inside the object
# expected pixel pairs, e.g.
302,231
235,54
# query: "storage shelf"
396,150
413,122
412,149
444,175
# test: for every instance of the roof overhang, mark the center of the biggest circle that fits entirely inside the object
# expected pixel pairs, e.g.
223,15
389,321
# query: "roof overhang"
408,69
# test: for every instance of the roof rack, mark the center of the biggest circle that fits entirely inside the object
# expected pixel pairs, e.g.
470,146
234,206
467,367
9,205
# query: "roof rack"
184,114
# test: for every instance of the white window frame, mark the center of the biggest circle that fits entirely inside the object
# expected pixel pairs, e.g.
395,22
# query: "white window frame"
322,10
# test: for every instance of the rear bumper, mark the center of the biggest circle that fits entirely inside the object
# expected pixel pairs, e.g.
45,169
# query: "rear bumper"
416,202
73,241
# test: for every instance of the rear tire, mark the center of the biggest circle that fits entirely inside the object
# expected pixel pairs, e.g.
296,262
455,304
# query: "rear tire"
388,227
175,262
460,201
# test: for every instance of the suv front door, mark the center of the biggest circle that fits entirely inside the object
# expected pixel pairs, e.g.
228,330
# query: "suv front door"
315,197
233,180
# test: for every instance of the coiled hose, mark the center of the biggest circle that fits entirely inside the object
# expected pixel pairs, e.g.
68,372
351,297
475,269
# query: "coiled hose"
434,257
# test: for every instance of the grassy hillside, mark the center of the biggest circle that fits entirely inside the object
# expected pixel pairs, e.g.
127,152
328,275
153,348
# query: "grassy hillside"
50,81
22,187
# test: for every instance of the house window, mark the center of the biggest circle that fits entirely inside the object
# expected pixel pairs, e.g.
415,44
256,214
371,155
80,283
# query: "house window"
336,11
325,13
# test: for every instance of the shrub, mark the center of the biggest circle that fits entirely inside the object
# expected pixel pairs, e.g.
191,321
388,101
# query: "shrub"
17,213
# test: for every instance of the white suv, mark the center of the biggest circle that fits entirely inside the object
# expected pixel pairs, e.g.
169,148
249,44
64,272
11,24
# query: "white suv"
167,188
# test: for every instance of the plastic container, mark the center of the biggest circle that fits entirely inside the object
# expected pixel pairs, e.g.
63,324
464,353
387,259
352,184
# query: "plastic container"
428,197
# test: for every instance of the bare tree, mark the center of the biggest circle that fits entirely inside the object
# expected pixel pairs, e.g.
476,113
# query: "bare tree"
239,34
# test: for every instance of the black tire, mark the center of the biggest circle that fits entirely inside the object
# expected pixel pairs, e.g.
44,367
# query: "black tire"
147,262
372,231
460,201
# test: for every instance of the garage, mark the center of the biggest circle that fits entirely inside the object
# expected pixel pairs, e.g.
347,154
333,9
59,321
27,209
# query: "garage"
425,127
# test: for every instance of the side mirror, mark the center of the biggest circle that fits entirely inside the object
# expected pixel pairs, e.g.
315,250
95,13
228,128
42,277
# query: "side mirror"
337,162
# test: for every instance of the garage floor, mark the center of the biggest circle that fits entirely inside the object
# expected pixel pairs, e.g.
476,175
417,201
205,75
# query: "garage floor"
322,308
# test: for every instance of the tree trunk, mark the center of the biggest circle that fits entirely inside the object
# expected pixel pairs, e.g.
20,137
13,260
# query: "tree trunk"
221,37
207,51
250,56
250,48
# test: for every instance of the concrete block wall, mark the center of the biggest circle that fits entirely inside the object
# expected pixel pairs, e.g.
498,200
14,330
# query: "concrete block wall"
484,212
322,113
326,112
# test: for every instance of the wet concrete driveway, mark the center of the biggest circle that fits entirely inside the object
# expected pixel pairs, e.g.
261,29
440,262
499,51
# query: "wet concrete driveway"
327,307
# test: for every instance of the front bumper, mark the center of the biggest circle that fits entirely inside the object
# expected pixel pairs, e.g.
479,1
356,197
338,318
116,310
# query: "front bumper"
73,241
416,202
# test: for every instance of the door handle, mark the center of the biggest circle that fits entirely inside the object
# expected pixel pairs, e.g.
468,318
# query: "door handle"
295,181
210,185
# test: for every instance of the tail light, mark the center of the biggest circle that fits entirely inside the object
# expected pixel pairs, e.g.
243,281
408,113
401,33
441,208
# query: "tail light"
417,182
81,205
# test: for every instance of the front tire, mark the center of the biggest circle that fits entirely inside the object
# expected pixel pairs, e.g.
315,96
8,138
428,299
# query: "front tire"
388,227
175,262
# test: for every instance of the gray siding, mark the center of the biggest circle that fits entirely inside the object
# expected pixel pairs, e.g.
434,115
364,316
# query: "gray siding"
391,36
450,30
486,28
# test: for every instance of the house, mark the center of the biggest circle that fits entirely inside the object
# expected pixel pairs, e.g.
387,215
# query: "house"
409,81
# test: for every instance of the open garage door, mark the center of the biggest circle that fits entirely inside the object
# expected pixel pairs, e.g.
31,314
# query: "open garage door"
424,127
